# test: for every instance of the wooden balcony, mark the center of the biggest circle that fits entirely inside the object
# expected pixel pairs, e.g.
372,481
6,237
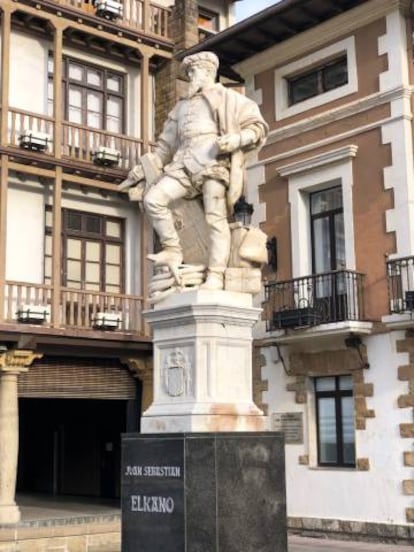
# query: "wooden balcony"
78,142
330,297
78,309
139,15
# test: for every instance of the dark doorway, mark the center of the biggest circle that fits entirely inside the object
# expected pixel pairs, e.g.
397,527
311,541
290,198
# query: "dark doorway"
72,446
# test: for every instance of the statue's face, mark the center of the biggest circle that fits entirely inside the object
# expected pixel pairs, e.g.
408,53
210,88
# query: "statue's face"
199,76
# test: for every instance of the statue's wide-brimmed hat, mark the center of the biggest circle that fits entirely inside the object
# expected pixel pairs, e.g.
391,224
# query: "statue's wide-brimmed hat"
201,57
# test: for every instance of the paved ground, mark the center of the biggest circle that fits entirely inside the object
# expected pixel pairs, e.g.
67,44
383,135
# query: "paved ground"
42,507
302,544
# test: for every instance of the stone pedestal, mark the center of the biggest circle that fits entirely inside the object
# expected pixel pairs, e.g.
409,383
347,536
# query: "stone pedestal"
222,492
203,364
12,364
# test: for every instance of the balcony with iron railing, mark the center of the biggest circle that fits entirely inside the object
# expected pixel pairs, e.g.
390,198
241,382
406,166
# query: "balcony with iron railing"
90,311
316,300
400,278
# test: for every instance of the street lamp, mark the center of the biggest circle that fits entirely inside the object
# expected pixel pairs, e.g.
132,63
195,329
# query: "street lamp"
243,211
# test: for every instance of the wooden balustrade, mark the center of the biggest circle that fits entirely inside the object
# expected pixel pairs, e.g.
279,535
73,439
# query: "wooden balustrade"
132,14
19,121
80,143
78,308
18,294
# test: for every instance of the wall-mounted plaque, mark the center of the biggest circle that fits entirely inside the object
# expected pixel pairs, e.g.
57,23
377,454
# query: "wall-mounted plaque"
291,424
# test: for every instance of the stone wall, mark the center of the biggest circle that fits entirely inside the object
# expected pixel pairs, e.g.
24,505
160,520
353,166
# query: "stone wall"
184,31
406,373
80,534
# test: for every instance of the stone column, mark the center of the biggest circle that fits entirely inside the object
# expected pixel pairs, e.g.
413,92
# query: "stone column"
12,363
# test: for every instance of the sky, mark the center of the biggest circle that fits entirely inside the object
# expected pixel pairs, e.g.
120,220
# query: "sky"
249,7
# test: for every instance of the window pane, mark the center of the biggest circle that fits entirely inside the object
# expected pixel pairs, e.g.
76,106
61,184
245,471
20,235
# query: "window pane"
113,229
321,245
75,71
325,384
50,65
93,224
112,289
114,107
94,100
90,286
327,431
114,125
75,115
75,284
94,77
74,221
73,270
113,254
340,241
94,115
345,383
92,272
73,248
75,97
48,218
113,83
48,245
93,251
348,429
303,88
335,75
113,275
326,200
48,267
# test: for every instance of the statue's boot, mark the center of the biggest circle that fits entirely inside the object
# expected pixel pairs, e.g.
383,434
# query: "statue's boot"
168,256
215,280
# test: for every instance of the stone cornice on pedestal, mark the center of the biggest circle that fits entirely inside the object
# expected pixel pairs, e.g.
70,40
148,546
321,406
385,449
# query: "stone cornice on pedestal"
17,360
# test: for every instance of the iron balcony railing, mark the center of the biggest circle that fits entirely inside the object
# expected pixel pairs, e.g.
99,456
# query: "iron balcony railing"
400,276
317,299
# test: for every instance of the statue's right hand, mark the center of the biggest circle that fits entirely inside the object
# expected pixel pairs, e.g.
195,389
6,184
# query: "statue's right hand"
134,176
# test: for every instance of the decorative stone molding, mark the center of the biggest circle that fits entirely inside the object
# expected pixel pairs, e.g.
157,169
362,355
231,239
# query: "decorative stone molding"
362,464
330,363
406,373
260,385
319,160
408,486
298,386
142,369
409,459
17,360
353,530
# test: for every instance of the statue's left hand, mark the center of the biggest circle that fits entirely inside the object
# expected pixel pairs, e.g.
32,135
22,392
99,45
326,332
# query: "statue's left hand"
229,143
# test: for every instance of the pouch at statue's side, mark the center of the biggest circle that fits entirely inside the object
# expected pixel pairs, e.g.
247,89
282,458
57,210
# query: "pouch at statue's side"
253,247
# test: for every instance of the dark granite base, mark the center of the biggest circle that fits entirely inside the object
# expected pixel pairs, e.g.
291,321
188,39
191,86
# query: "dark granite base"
209,492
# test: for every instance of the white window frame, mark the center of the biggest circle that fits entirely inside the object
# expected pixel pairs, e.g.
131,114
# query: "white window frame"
316,173
305,64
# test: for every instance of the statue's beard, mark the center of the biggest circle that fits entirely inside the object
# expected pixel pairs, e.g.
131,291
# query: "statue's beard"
196,86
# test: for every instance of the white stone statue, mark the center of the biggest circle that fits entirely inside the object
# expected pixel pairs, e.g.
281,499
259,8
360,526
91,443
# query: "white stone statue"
200,152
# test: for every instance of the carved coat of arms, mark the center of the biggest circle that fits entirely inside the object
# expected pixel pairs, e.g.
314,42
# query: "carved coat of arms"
177,374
